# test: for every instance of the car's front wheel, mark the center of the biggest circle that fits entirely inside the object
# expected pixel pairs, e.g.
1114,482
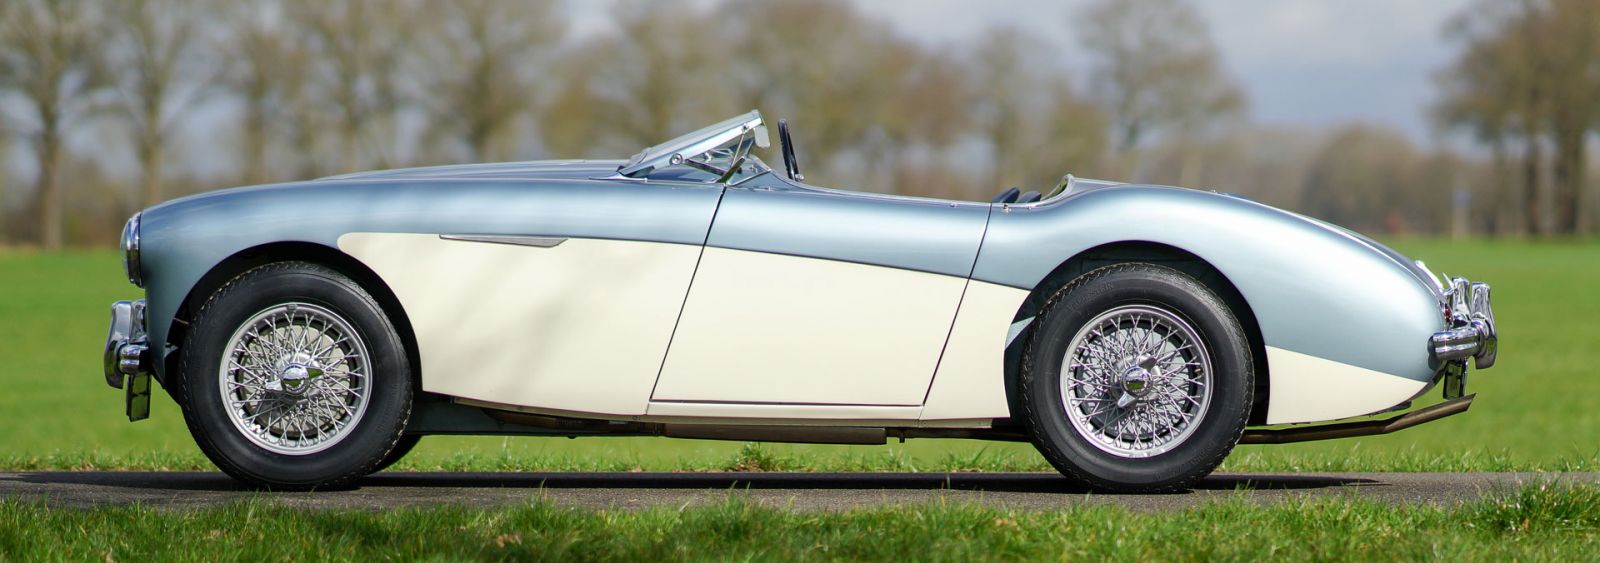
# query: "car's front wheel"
1138,378
294,378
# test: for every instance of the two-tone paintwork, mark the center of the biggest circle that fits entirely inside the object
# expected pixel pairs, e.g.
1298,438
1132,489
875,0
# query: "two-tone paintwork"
1352,307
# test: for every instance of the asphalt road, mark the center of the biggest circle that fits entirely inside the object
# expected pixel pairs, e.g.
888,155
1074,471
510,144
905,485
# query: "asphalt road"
796,491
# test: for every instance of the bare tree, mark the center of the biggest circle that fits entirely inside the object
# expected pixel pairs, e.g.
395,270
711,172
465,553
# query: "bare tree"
1006,97
150,56
48,48
1572,50
661,72
1476,99
359,46
1530,73
1036,126
5,168
268,72
1155,69
1356,176
569,123
479,61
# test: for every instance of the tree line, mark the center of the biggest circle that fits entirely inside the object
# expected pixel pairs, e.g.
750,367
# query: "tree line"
1527,85
113,105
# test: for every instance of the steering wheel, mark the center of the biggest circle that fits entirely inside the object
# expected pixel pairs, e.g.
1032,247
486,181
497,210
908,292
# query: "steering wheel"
791,165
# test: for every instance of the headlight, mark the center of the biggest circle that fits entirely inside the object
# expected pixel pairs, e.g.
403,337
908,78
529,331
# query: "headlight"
130,250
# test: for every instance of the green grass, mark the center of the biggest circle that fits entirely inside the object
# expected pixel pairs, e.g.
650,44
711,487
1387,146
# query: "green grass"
1551,522
1536,410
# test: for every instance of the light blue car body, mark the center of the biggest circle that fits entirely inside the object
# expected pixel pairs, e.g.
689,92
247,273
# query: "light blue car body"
1312,288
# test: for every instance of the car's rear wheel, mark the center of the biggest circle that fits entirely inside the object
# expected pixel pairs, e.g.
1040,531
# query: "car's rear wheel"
294,378
1137,378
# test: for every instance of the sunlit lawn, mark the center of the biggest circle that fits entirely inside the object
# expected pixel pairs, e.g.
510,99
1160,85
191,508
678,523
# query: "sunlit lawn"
1557,523
1538,409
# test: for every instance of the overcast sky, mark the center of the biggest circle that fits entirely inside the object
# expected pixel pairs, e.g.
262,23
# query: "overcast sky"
1302,62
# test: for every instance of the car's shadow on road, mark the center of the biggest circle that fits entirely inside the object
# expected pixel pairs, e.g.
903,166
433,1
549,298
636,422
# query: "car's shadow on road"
997,482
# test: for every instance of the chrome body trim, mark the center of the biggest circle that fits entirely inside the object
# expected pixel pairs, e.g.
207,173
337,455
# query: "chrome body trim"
1472,332
127,357
130,250
125,342
540,242
695,144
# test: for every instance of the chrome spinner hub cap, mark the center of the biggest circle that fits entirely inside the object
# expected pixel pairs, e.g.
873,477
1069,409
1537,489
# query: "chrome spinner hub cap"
295,376
295,379
1136,381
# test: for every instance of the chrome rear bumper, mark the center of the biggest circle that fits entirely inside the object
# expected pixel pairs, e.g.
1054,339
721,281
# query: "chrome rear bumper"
126,357
1472,332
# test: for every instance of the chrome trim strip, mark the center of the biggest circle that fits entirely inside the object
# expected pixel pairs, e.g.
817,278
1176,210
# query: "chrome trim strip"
539,242
130,250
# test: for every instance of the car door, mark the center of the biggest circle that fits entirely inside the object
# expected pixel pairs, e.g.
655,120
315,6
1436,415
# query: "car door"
807,296
557,297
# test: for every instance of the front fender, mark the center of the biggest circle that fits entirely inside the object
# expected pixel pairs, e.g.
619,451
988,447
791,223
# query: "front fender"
1345,322
184,239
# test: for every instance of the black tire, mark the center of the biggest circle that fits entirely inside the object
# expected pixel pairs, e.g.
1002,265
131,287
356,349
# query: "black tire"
407,443
1106,289
375,433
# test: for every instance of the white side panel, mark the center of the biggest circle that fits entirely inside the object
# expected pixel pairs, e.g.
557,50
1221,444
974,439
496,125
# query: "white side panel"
582,326
770,328
970,382
1311,389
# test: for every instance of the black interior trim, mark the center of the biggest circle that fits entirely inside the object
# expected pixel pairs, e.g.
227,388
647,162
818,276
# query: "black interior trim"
1007,196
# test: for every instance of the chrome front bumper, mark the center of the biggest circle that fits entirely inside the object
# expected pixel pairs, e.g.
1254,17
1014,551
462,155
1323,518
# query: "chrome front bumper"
127,357
1472,332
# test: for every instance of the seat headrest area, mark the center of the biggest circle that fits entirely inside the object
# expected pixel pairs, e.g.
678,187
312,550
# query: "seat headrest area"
1008,196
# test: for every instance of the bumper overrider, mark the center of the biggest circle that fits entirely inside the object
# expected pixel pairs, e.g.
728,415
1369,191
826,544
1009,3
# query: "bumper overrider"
128,358
1471,333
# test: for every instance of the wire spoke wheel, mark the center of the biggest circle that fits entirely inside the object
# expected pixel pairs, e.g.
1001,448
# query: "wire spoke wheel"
295,378
1136,381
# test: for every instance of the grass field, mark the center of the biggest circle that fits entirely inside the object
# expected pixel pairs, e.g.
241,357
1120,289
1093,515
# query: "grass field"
1536,409
1557,523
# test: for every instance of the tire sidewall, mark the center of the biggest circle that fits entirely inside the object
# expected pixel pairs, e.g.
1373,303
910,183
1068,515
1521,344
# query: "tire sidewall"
388,406
1232,377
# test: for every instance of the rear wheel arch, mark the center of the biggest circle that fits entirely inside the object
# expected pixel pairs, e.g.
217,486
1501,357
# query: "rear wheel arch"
250,258
1155,253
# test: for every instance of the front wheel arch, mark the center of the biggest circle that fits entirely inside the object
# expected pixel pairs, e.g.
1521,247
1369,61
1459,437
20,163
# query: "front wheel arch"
1130,251
292,251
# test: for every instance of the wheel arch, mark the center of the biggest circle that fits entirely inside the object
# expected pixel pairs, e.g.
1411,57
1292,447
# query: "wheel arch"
1157,253
292,251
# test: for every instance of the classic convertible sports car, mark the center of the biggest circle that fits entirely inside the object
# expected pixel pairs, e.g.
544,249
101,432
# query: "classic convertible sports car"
312,332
